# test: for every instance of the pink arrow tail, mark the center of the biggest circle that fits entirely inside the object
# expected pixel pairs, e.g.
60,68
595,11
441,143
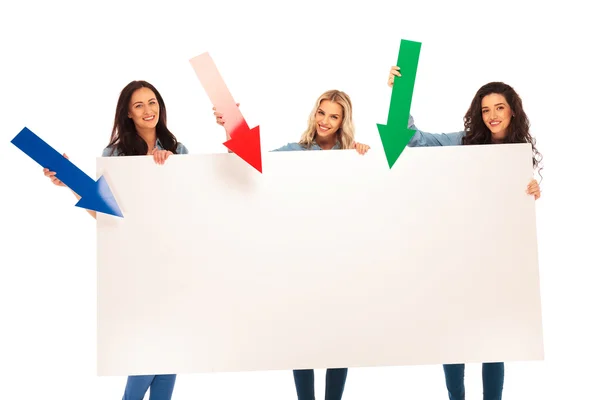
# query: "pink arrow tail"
219,94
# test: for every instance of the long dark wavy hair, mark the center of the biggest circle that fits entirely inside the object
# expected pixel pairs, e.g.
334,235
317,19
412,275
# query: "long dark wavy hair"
477,132
124,138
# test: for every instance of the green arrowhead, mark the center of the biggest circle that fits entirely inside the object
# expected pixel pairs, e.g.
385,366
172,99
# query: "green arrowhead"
395,135
394,140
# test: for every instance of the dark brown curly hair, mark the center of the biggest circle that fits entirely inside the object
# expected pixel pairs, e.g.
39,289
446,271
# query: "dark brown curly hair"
477,132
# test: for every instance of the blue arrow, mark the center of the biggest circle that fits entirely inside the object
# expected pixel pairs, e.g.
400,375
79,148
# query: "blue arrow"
94,195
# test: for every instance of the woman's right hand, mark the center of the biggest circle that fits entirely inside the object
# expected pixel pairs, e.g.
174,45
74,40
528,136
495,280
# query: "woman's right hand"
219,115
394,71
53,178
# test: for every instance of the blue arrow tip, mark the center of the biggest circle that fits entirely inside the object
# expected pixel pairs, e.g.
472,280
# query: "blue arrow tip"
100,199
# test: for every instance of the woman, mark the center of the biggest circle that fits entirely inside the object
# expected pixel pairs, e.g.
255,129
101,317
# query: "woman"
140,128
495,116
330,127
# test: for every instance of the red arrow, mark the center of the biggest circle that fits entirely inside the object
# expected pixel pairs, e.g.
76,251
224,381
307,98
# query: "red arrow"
244,142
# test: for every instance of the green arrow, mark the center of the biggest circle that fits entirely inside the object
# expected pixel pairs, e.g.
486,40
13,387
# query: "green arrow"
395,135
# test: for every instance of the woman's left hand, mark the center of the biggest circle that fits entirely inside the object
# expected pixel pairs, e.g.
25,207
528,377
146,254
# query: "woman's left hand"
534,189
160,156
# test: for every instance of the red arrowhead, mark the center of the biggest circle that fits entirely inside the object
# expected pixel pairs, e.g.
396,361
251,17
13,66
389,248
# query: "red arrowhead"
245,143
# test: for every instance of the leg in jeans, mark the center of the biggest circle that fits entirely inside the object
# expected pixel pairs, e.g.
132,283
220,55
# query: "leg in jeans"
455,381
305,383
137,386
162,387
335,382
493,380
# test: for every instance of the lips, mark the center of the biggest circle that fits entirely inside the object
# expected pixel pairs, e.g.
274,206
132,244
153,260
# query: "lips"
150,118
323,128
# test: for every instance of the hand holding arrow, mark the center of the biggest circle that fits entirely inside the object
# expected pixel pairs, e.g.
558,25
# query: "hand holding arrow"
95,195
396,135
244,142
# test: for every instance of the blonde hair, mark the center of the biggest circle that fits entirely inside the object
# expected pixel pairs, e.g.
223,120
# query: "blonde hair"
345,134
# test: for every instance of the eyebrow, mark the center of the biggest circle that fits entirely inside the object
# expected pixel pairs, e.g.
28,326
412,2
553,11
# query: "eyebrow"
320,109
495,105
142,101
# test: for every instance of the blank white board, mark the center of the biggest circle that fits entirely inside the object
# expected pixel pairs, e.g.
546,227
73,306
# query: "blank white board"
327,259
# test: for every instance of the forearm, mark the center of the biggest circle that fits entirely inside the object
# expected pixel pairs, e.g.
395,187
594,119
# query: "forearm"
421,138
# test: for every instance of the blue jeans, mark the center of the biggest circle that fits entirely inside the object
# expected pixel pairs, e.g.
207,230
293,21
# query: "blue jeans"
161,387
492,375
334,383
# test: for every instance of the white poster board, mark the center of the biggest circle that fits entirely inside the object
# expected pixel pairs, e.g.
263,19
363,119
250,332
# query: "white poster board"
327,259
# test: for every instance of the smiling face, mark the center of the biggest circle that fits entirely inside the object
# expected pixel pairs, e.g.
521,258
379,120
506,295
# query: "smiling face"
329,118
496,114
144,109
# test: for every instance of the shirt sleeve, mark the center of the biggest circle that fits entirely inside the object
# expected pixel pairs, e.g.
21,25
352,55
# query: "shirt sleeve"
108,152
422,139
181,149
290,147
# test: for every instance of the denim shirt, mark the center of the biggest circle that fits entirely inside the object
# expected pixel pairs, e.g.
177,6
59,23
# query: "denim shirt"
112,151
421,139
298,146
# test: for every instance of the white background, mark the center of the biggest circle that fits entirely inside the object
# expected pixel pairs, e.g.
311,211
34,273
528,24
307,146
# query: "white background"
64,63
